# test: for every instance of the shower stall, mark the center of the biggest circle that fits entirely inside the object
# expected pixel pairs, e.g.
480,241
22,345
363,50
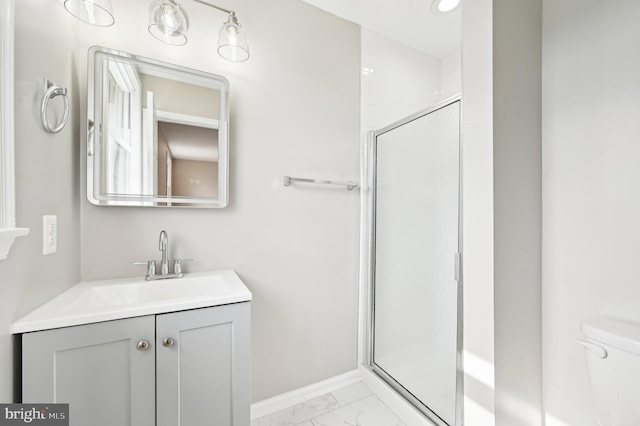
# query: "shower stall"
411,260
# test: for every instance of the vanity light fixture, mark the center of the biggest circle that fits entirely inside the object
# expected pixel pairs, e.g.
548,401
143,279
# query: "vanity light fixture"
232,41
444,6
169,24
94,12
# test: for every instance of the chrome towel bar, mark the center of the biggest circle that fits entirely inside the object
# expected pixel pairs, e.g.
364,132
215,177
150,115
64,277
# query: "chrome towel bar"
287,180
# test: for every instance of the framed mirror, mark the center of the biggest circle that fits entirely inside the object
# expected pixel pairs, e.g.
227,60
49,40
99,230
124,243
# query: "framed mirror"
157,133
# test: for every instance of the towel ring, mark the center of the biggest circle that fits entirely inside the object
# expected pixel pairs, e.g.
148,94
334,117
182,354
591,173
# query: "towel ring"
51,91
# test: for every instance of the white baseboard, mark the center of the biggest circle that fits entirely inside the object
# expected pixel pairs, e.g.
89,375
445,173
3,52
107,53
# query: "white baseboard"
289,399
401,407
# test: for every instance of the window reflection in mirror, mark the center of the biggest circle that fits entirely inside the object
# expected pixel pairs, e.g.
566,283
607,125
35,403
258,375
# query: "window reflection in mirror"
157,133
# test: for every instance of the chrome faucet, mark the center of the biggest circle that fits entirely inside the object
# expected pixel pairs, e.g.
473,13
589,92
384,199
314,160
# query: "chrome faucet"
163,246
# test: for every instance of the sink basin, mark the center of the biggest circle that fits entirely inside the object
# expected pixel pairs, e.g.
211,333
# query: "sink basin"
144,292
96,301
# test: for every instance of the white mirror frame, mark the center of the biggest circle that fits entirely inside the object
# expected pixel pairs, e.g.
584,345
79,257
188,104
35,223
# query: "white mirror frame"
8,230
95,78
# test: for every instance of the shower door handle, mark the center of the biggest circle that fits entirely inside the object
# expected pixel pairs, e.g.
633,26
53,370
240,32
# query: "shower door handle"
457,272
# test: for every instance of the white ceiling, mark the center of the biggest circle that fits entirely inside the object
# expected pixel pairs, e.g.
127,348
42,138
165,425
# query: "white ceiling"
408,21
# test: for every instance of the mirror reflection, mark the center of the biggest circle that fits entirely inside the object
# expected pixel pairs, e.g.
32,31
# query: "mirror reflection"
157,133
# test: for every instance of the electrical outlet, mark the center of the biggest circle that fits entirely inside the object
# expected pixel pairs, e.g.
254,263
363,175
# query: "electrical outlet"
49,234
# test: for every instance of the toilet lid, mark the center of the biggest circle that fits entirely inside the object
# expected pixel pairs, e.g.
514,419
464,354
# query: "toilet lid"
619,334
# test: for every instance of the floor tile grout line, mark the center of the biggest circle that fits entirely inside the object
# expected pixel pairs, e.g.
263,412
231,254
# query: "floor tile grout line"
293,410
355,400
315,423
272,419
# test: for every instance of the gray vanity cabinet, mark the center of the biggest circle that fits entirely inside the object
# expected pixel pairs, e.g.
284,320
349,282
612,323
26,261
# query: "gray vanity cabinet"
193,370
96,368
203,377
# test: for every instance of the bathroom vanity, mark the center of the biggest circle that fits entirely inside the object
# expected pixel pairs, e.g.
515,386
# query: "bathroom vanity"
130,352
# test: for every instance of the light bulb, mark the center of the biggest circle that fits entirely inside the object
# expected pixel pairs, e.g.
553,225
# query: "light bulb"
169,9
445,6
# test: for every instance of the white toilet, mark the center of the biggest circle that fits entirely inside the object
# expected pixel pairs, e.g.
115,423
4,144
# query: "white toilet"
613,358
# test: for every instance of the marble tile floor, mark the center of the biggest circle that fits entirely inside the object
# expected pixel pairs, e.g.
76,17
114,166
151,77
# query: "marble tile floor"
353,405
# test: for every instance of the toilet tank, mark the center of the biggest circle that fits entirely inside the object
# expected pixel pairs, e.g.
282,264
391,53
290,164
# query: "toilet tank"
613,359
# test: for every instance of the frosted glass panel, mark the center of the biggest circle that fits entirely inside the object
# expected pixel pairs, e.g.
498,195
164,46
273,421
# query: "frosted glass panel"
416,238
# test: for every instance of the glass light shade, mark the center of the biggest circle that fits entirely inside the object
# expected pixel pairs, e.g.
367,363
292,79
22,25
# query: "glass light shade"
94,12
168,22
232,42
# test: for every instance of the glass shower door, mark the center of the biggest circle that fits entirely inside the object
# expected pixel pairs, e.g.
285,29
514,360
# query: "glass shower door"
415,255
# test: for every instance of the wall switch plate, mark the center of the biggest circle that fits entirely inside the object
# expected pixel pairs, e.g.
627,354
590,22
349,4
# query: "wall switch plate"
49,234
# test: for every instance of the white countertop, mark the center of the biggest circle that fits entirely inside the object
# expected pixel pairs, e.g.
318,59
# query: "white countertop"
96,301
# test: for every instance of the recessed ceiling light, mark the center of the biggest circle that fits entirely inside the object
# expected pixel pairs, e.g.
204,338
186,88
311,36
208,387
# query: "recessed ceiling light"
444,6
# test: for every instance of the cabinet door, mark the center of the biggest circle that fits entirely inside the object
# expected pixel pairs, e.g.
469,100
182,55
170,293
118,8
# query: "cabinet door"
97,369
204,376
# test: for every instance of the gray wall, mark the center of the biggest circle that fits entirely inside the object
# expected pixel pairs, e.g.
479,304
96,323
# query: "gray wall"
294,110
517,203
591,201
46,172
501,79
477,218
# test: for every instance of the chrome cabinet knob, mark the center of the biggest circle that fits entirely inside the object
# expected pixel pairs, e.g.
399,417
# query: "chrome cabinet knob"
142,345
167,342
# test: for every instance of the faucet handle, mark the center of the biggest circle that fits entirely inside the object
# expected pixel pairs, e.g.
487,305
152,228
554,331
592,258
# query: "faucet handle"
151,267
177,265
